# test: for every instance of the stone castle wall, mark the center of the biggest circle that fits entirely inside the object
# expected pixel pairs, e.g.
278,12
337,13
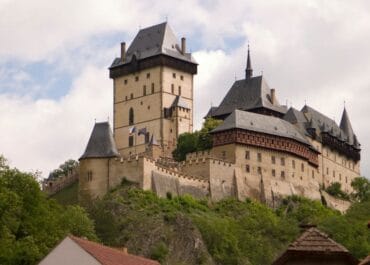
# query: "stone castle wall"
52,186
206,175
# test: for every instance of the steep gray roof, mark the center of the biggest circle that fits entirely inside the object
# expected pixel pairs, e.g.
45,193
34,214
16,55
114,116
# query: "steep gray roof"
325,123
297,118
346,126
101,143
260,123
322,123
152,41
248,94
180,102
210,112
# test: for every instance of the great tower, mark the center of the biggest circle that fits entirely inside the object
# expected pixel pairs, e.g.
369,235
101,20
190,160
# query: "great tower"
153,91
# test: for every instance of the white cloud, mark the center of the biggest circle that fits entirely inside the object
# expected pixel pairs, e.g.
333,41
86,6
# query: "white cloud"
41,134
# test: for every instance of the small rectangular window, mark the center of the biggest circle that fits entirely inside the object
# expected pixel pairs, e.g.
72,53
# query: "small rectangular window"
313,174
247,168
172,88
174,75
132,96
282,174
293,164
144,90
333,174
89,175
181,77
259,170
302,167
148,75
327,171
273,172
259,157
282,161
180,90
152,88
125,81
247,155
273,160
131,141
136,78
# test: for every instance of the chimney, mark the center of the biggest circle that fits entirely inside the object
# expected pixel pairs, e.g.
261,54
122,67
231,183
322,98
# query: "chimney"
123,51
272,95
183,45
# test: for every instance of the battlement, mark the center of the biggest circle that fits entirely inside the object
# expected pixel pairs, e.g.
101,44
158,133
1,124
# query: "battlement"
53,185
202,157
178,174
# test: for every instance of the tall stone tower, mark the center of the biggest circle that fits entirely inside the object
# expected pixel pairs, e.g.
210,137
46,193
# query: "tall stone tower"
153,91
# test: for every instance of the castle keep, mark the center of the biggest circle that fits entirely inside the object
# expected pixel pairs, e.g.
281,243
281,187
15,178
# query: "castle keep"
261,150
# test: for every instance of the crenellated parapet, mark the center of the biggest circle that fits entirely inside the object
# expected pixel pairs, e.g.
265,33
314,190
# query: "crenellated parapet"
53,185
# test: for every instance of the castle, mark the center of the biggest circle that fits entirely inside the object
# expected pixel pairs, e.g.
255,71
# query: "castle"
261,150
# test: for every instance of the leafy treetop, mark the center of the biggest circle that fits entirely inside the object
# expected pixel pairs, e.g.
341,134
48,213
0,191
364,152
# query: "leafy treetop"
196,141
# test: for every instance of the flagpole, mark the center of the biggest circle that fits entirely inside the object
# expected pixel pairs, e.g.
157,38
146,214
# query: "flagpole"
135,142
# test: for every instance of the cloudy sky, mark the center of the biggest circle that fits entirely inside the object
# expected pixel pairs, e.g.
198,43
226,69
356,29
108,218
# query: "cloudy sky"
54,56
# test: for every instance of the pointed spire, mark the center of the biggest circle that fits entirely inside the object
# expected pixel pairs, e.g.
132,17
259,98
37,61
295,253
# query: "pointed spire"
346,126
248,70
101,143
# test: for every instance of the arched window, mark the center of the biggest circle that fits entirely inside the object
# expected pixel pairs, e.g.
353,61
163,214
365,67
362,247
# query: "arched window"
131,116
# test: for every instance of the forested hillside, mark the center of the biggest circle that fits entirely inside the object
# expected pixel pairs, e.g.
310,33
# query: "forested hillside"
179,230
183,230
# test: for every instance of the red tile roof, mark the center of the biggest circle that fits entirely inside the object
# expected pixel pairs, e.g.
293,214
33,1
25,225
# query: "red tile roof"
110,256
365,261
317,245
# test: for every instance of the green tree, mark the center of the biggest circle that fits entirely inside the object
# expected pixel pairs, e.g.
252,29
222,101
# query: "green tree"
361,187
64,168
31,224
3,163
335,189
205,138
196,141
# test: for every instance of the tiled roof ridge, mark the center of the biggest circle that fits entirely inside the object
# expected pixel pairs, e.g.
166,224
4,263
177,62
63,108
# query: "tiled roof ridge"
78,240
81,241
365,261
313,230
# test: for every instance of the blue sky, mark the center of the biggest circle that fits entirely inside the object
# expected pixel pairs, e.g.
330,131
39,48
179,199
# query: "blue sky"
53,63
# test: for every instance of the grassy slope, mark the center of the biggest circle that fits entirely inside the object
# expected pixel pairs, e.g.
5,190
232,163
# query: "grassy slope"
68,195
187,231
191,231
